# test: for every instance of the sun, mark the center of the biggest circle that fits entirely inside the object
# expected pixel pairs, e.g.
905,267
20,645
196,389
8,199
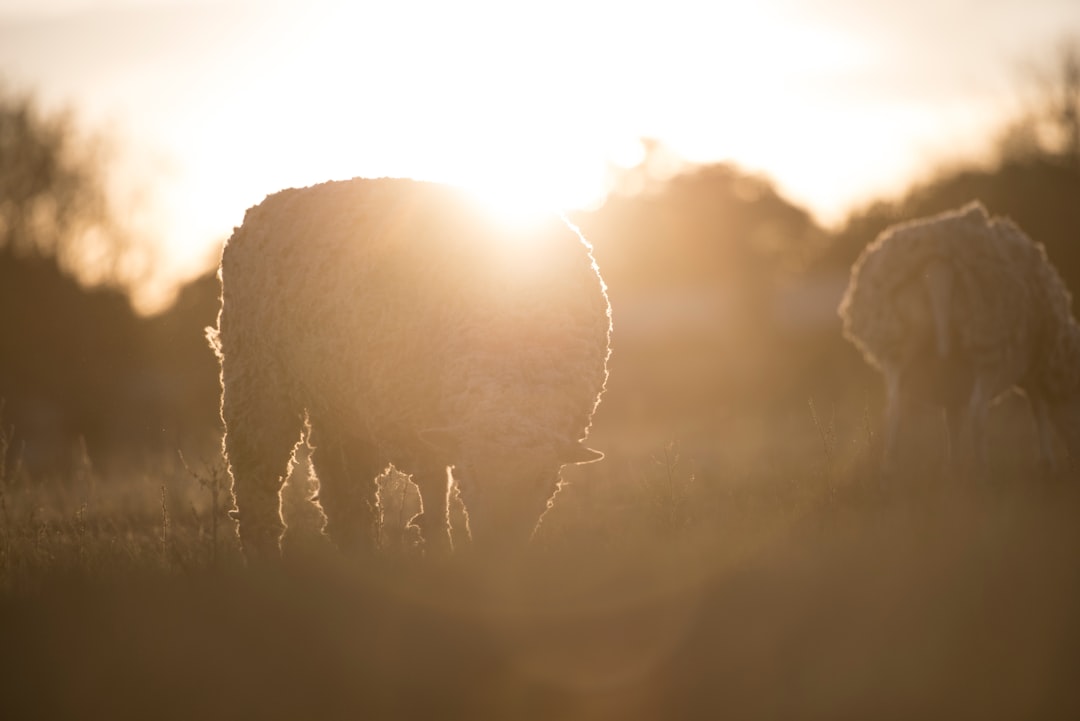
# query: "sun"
527,190
516,205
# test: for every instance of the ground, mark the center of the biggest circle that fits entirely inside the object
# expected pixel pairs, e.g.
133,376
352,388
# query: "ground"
748,568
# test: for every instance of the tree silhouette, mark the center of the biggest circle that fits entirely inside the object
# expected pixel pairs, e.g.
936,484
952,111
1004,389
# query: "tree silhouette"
54,202
72,358
1049,126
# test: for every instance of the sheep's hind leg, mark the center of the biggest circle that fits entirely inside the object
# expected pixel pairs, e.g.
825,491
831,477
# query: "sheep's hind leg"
894,408
434,518
959,452
1047,459
262,432
977,410
348,470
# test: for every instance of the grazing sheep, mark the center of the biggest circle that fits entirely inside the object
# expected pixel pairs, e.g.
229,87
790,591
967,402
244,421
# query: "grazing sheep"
957,309
405,326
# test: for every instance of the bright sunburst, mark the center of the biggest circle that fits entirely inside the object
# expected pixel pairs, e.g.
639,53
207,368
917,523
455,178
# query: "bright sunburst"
525,200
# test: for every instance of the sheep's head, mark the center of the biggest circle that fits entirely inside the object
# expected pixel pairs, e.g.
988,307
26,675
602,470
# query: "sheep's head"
506,485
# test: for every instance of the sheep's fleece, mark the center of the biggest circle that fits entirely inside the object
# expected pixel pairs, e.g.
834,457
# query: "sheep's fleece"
1011,305
406,326
974,305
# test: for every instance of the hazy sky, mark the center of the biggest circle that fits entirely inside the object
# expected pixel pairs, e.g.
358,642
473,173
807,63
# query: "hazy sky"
216,104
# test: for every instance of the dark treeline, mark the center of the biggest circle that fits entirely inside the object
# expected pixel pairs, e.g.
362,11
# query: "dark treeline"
1041,193
724,294
80,371
697,271
78,363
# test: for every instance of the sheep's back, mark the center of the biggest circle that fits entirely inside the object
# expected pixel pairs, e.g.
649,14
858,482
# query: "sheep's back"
998,302
386,298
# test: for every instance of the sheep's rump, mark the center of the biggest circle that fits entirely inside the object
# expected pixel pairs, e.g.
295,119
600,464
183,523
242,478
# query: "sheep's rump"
1006,294
394,305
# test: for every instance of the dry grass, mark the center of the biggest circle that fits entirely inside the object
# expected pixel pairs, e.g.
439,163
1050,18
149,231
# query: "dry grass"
749,570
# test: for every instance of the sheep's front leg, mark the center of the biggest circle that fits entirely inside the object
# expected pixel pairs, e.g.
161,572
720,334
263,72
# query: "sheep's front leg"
433,481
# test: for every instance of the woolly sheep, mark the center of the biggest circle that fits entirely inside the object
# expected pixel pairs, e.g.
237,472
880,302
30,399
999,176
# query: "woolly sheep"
405,326
957,309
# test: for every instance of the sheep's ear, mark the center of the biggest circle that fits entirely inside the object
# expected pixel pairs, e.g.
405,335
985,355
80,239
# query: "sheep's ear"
580,453
441,439
975,209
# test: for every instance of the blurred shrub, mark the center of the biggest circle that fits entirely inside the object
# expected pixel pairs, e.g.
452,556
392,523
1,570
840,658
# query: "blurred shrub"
78,368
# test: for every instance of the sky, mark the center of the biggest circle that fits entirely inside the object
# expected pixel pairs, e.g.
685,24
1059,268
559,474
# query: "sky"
215,104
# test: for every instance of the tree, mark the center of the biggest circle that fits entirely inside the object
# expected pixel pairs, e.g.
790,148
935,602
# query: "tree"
54,201
72,361
1049,125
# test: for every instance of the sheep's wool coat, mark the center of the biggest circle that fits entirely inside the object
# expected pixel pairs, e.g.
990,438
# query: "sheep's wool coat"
387,307
1010,308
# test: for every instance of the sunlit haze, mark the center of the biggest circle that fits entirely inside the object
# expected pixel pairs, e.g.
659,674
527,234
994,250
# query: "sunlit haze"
216,104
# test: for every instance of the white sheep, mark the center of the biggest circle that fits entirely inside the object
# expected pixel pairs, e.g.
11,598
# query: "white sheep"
406,326
957,309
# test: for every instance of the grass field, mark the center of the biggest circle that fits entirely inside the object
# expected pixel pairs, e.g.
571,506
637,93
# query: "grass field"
740,568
